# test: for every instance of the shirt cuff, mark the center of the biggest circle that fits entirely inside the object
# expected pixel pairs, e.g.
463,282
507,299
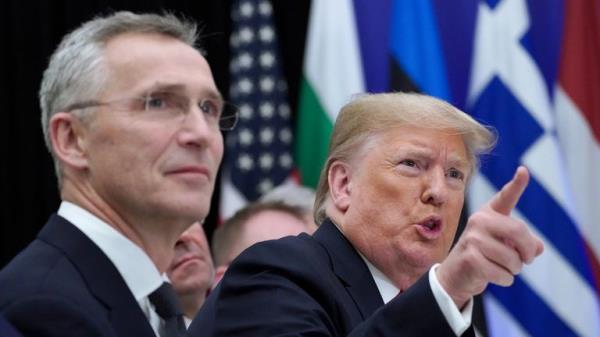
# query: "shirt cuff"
458,321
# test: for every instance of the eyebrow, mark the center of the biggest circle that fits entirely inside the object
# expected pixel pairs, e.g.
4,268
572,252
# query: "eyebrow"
176,87
418,150
458,162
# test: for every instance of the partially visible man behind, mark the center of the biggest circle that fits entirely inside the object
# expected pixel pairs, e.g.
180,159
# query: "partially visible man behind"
132,118
388,201
257,222
192,270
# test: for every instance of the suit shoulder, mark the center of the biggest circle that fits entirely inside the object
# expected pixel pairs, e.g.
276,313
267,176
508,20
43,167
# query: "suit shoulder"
32,266
300,252
300,262
290,280
41,270
46,315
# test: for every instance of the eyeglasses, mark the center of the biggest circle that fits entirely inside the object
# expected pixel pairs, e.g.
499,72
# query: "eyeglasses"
169,106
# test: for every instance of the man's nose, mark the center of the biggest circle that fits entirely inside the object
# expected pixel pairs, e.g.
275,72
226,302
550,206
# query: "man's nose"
435,188
196,129
184,238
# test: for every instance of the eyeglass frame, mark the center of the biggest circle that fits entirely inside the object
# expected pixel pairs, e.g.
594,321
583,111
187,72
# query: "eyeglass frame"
183,107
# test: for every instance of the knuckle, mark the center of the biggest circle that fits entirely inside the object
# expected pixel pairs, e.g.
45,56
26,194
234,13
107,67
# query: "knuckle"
478,219
502,278
517,268
479,287
512,264
516,228
470,259
472,240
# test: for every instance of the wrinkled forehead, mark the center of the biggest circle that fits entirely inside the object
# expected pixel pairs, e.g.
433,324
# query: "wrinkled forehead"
143,59
386,139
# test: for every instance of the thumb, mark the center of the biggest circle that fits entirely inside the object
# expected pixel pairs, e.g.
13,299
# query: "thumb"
506,199
539,248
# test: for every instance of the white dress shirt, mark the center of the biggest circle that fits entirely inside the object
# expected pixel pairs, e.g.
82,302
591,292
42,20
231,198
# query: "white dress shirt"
458,321
135,266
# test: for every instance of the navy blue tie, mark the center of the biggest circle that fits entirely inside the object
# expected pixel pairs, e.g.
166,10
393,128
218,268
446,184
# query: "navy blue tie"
168,308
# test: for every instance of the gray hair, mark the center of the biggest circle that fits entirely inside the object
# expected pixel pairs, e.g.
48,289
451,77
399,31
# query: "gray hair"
76,71
369,114
293,195
229,234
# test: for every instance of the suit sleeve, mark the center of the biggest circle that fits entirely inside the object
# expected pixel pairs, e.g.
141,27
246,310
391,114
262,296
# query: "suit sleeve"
293,299
52,317
413,313
265,305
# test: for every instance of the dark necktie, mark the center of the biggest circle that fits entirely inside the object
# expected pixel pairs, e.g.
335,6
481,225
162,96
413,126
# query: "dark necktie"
168,308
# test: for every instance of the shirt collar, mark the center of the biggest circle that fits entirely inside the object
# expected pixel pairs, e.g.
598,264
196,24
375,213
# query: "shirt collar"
386,288
135,266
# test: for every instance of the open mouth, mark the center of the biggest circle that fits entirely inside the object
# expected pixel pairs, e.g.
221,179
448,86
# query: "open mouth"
430,228
431,224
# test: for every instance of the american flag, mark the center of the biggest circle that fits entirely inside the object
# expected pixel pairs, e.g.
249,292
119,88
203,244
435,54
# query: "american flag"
258,152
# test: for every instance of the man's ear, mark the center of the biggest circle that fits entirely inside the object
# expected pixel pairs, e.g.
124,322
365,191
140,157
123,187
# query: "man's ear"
339,176
219,273
66,135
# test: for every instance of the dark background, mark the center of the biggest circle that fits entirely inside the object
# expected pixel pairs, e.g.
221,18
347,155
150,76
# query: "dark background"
31,30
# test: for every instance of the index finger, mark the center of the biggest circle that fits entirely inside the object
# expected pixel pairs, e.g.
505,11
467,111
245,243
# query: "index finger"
506,199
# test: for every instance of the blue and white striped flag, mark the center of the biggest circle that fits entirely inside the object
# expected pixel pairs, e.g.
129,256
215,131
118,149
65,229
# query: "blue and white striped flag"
519,63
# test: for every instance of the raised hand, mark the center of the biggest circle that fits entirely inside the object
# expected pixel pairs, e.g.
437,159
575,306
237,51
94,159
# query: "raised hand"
493,246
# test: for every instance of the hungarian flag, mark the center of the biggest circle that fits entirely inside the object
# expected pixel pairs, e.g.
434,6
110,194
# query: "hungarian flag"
332,74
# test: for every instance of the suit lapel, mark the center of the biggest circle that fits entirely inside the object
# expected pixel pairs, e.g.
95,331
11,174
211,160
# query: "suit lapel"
101,276
350,269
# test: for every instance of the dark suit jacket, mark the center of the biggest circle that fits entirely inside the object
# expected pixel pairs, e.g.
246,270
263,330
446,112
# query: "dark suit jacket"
313,286
62,284
7,330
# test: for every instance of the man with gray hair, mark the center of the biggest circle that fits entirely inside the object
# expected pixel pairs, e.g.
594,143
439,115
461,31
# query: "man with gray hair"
294,195
388,203
256,222
133,120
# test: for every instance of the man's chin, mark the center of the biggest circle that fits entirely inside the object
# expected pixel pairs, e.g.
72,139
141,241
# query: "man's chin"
182,208
192,286
196,205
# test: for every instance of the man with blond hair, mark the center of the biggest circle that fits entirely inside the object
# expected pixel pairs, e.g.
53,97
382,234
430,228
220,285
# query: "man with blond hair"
133,119
380,264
